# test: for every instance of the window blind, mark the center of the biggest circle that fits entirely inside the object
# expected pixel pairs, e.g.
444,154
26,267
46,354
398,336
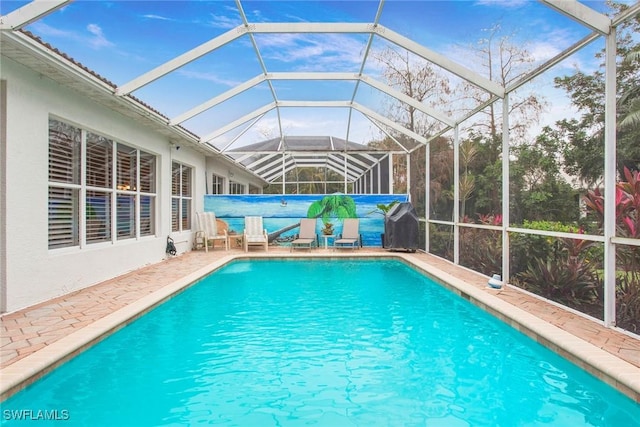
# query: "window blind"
63,217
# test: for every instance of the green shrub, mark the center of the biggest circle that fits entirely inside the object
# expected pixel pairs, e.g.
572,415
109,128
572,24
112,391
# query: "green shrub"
441,241
481,250
565,276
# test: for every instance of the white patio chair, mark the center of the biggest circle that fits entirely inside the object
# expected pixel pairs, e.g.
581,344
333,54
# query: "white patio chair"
208,231
254,233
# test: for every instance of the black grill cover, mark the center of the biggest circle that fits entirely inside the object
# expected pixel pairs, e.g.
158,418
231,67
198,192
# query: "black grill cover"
401,227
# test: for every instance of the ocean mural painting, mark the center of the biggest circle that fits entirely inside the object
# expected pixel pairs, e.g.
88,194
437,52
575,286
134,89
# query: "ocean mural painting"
282,213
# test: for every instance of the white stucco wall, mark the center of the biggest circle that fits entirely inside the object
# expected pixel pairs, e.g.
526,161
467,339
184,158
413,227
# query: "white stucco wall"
33,273
220,168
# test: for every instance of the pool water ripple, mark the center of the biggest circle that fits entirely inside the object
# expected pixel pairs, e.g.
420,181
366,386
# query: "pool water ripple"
325,343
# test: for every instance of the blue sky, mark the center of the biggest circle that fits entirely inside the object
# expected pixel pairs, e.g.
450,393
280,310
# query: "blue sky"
121,40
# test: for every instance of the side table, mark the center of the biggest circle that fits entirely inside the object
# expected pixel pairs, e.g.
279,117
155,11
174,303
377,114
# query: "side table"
326,238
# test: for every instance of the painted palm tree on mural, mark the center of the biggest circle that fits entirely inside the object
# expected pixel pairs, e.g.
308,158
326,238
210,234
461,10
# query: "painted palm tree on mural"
336,205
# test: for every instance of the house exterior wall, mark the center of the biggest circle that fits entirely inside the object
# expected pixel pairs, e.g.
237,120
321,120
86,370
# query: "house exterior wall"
220,168
30,270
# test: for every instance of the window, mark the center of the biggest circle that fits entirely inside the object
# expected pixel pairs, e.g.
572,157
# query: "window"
147,194
90,185
217,184
180,197
236,188
126,160
254,190
99,188
64,184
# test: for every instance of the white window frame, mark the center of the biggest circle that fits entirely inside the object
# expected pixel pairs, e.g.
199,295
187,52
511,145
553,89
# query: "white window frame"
217,184
78,224
181,198
236,187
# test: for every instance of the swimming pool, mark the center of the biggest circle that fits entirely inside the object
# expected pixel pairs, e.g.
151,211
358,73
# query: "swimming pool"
324,342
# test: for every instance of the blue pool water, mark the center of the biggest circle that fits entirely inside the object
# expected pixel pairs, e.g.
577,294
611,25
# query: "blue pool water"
322,343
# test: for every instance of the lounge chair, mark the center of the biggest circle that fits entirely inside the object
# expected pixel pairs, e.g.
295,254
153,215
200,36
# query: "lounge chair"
209,231
254,233
307,237
350,236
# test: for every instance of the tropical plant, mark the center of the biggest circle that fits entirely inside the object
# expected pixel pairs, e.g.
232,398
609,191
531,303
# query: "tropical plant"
467,181
525,247
628,300
441,240
565,277
627,256
627,205
481,250
382,208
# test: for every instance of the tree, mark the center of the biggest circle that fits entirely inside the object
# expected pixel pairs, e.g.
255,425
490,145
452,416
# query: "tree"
583,148
308,180
441,179
538,189
418,79
629,103
503,62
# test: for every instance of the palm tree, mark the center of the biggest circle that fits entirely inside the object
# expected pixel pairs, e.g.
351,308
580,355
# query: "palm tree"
468,153
629,102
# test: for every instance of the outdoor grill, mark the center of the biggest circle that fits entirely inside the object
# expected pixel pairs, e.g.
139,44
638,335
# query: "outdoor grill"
401,228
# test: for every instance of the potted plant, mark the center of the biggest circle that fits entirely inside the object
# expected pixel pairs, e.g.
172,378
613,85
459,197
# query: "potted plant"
327,230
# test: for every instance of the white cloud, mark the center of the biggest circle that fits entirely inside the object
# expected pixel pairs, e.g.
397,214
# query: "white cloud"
99,40
224,22
256,16
311,51
543,51
95,39
43,29
209,77
158,17
501,3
